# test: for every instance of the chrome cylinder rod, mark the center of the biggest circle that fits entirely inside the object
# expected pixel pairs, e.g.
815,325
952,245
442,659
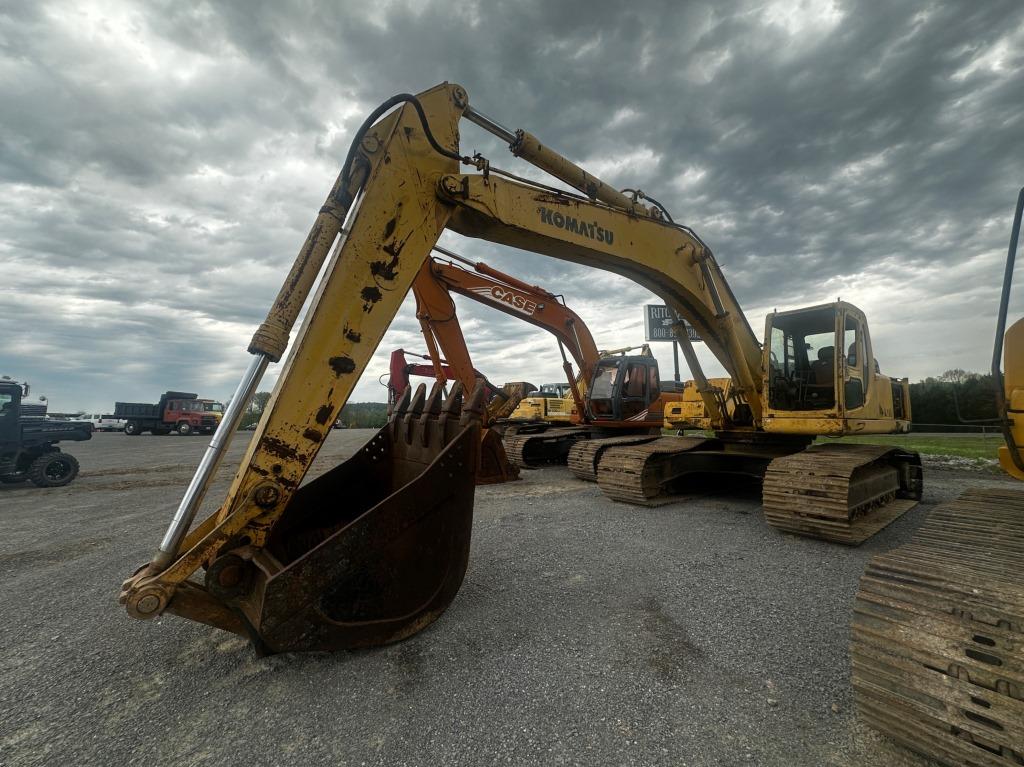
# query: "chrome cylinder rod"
527,146
489,125
243,395
189,505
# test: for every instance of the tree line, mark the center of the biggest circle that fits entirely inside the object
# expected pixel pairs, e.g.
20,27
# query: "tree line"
935,400
355,415
955,395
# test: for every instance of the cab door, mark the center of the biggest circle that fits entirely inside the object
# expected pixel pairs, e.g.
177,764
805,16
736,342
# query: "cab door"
854,363
635,389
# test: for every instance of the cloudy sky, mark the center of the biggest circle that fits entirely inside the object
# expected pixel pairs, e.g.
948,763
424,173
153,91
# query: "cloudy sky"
161,162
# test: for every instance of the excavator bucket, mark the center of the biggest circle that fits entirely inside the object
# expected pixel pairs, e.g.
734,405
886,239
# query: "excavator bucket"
374,550
494,465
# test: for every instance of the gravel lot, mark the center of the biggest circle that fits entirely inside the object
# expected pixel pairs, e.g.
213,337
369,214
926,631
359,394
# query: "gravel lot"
586,632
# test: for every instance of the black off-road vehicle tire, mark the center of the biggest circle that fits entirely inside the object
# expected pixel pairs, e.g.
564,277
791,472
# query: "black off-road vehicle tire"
132,429
53,470
185,428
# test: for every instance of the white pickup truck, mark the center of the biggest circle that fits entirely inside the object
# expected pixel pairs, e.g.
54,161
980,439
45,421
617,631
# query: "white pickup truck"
102,422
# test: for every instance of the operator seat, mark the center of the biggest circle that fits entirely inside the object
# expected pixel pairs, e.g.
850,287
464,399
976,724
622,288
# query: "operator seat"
823,369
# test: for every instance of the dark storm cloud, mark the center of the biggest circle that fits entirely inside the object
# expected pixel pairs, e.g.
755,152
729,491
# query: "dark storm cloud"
160,164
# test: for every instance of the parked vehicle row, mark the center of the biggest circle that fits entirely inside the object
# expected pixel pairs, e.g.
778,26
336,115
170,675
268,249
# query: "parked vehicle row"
103,422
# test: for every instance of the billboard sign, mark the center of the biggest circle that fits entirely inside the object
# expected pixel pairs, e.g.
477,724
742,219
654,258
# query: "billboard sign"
658,322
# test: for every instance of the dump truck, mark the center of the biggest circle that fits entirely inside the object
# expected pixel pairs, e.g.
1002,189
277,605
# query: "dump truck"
182,412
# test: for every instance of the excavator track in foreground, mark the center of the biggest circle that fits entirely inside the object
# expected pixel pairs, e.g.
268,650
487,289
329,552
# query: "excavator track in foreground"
938,634
527,449
585,455
843,493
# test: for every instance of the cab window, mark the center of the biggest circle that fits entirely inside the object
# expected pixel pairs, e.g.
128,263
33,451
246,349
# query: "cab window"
854,344
803,360
633,385
604,382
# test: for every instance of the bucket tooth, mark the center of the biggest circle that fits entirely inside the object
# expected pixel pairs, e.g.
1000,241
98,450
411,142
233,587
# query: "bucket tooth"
434,401
418,401
453,404
403,402
474,409
374,550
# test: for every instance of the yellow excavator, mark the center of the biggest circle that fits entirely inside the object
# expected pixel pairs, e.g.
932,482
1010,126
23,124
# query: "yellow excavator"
937,646
375,549
690,412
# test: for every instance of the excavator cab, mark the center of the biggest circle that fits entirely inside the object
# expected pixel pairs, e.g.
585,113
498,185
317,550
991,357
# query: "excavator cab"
623,388
803,365
819,368
553,391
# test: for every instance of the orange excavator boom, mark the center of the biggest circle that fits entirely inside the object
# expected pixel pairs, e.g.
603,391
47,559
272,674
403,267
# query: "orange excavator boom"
435,309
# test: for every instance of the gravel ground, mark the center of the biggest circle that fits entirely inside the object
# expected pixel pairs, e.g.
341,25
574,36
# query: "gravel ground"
586,632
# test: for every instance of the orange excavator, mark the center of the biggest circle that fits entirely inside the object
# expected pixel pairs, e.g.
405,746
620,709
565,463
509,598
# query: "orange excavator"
613,393
435,309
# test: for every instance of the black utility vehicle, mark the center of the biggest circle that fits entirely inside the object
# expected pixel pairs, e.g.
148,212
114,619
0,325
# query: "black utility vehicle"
28,443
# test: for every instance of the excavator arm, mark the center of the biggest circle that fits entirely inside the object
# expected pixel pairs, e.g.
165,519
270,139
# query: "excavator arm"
385,199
